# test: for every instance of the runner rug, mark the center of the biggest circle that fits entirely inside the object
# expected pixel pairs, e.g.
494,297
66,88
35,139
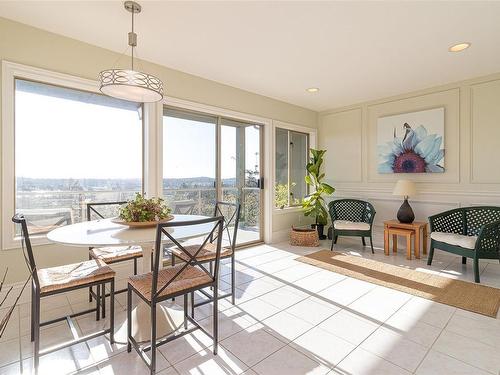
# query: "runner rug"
465,295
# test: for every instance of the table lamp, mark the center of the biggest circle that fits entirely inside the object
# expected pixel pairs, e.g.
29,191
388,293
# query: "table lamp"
405,188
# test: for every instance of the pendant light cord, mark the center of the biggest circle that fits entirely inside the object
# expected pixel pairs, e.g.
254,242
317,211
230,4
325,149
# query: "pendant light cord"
132,43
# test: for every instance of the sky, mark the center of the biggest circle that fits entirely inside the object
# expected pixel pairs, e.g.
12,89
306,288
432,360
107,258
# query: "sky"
189,148
60,138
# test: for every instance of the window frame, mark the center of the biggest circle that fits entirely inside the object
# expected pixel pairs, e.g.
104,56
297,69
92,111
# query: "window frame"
311,143
267,167
151,144
11,72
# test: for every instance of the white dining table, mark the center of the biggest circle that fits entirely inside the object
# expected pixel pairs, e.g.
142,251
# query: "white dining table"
104,232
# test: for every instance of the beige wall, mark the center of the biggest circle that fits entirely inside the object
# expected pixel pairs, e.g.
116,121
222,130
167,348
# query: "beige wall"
30,46
472,146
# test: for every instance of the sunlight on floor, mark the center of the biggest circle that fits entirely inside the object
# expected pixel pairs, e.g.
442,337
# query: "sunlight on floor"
291,318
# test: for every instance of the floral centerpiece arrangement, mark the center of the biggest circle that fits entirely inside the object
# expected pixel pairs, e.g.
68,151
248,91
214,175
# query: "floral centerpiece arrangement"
142,209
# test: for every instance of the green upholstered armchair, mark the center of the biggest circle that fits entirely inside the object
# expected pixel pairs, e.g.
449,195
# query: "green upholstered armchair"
351,217
472,232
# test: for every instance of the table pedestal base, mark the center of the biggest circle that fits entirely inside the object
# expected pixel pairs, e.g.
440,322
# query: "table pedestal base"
168,320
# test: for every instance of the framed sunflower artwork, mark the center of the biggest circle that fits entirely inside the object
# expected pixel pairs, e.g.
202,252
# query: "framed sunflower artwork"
411,142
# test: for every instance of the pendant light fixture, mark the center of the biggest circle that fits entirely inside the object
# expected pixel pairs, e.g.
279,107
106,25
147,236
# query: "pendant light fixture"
130,84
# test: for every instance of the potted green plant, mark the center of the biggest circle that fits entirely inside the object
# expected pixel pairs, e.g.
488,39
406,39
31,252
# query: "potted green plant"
314,203
143,212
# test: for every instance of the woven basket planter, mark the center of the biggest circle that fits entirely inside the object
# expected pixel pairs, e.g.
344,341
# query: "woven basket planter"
304,237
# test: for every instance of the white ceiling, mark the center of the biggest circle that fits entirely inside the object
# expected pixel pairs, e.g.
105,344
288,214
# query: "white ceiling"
352,51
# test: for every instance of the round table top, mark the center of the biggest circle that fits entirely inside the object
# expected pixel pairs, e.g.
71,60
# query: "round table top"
99,233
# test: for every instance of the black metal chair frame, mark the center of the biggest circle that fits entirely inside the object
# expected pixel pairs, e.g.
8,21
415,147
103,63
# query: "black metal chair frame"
184,208
367,216
156,296
232,240
58,223
91,210
37,295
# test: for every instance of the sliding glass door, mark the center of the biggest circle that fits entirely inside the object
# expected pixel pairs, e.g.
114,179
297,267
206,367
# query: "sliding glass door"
189,161
241,174
208,158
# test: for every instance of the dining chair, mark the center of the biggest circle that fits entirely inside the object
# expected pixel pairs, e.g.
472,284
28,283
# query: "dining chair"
185,207
231,213
47,282
110,254
163,284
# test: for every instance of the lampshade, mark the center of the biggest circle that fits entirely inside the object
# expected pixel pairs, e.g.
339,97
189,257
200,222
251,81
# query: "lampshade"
404,188
129,84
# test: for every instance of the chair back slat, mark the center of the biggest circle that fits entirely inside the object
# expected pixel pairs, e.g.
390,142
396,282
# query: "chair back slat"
103,210
466,221
184,207
231,213
452,221
351,210
26,247
370,212
162,230
477,217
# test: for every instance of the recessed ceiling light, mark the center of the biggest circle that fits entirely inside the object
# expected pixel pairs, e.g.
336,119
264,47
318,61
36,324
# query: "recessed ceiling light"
312,89
459,47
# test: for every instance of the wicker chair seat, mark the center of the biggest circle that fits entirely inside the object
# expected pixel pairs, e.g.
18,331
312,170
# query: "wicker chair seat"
189,278
468,242
116,253
350,225
206,254
71,275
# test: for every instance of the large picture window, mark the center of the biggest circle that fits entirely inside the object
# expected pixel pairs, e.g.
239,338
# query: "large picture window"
290,169
72,147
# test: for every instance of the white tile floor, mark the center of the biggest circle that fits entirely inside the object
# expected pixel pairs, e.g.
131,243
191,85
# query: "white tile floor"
290,318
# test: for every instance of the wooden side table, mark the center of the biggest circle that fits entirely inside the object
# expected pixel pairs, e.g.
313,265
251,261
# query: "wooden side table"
408,233
419,229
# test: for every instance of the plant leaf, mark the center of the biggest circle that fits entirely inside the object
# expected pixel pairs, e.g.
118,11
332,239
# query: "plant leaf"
327,188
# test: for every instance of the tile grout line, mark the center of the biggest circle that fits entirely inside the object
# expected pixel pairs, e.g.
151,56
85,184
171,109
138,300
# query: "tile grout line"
253,298
288,283
448,355
314,326
435,340
20,339
381,325
468,337
285,344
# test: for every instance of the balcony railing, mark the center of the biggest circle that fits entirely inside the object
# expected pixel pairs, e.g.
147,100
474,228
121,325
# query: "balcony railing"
48,209
203,199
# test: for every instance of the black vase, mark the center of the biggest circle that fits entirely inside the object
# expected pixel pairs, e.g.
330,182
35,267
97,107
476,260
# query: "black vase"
405,213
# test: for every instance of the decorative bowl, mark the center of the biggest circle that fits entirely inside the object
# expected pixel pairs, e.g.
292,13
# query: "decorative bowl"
141,224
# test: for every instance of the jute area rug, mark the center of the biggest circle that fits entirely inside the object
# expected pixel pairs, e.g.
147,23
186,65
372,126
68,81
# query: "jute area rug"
462,294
